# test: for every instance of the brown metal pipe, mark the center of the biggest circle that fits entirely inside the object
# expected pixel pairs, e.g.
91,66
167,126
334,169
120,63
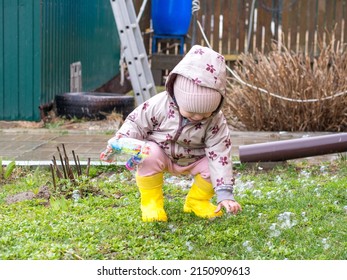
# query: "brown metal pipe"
295,148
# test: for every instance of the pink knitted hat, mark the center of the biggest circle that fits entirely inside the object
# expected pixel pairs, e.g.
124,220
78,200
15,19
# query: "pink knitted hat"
194,98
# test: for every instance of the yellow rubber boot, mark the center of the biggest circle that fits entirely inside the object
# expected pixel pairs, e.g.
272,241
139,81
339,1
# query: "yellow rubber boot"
152,199
198,199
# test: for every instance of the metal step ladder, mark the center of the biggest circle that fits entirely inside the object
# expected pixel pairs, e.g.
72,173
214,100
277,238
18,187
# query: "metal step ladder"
134,50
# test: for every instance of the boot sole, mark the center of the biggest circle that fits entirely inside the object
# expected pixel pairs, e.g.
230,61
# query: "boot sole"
157,218
188,209
148,220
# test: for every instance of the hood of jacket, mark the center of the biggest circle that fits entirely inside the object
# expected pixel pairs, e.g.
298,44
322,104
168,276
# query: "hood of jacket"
203,65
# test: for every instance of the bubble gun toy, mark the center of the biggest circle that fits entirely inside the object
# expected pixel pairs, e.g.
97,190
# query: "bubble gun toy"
138,150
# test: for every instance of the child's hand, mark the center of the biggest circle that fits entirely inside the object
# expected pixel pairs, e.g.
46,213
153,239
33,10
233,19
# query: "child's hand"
117,136
230,206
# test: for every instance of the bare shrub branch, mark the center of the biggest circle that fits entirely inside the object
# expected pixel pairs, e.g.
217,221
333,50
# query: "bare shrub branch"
294,76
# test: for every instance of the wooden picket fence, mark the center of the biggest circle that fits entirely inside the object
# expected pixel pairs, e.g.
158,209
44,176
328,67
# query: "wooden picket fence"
233,27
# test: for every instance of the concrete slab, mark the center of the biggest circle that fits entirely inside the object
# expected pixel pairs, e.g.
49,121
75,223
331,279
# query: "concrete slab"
40,145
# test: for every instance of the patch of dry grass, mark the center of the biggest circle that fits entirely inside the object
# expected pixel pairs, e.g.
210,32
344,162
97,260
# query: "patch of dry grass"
292,76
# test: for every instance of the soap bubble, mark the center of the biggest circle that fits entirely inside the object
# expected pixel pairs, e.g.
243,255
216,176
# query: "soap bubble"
303,214
172,228
76,195
323,170
286,221
257,193
179,181
317,191
325,243
305,173
170,180
189,246
246,244
242,186
269,194
278,179
274,232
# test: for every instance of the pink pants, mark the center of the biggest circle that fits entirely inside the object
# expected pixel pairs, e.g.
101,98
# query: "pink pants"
158,162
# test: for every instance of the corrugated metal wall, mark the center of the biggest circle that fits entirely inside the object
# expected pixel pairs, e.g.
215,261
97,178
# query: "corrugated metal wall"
38,42
74,31
19,59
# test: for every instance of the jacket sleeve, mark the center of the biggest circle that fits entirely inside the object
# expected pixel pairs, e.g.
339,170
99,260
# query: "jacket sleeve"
141,121
218,152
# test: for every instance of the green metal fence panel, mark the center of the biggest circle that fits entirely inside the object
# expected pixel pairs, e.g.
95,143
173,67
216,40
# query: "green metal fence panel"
19,95
78,31
38,42
2,63
28,59
10,60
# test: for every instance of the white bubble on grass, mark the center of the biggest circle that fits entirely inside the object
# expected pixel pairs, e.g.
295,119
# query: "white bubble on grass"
189,246
323,170
303,215
345,208
242,186
170,180
247,245
274,231
179,181
333,178
185,184
262,218
317,192
286,220
278,179
270,245
269,194
113,178
305,173
76,195
125,201
172,228
289,194
257,193
325,243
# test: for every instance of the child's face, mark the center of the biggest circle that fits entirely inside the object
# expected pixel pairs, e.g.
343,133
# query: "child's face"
195,117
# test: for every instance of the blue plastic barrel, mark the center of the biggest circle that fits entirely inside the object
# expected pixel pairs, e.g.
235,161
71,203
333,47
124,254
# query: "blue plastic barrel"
171,17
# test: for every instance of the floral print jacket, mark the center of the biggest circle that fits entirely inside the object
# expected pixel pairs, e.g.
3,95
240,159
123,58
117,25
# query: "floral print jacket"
158,120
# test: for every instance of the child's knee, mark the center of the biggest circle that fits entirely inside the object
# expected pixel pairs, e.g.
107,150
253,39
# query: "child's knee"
203,169
156,153
206,176
155,162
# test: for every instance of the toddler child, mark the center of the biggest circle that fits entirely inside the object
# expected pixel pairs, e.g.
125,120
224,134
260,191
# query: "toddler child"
187,134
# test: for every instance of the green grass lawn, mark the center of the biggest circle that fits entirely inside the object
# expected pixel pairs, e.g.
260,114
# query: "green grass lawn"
293,211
